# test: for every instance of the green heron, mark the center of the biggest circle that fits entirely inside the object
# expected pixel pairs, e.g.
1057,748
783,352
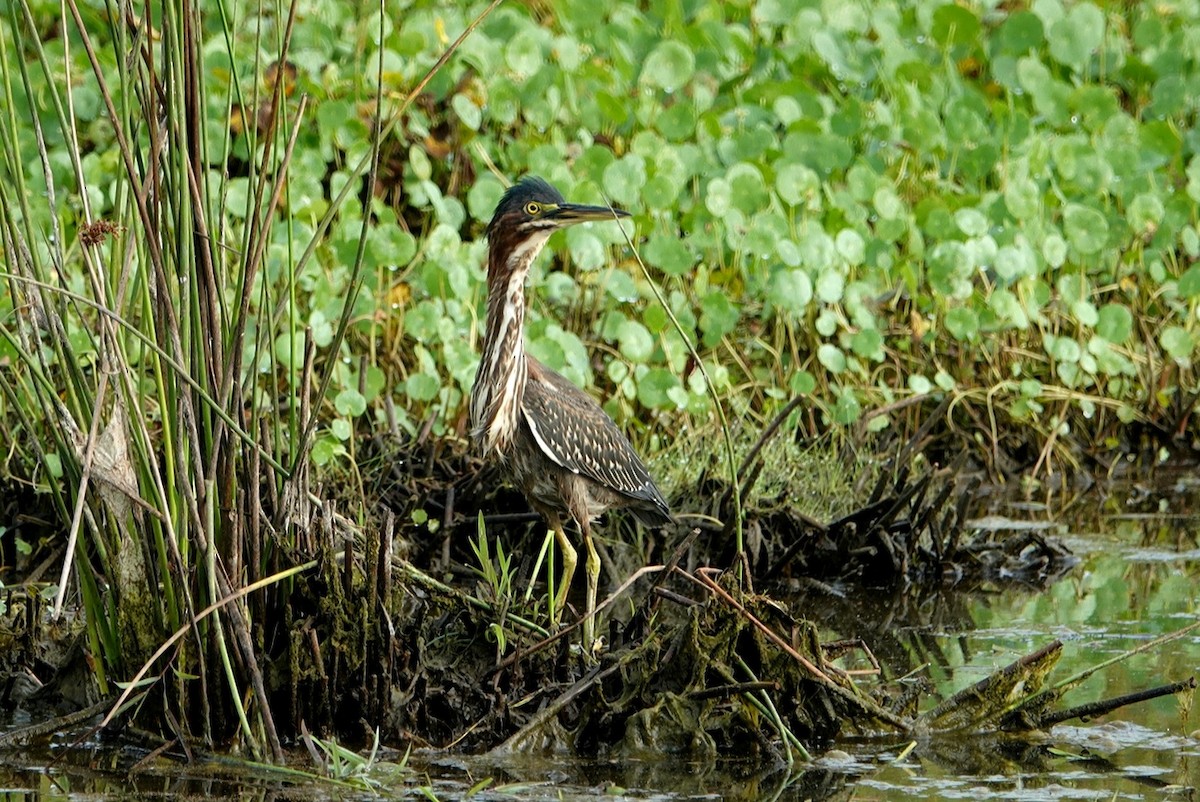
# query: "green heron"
550,438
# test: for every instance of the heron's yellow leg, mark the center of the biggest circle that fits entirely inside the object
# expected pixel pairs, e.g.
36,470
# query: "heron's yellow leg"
569,559
592,567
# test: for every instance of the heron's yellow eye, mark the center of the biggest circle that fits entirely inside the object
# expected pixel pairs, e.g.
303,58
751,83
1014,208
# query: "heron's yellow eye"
532,208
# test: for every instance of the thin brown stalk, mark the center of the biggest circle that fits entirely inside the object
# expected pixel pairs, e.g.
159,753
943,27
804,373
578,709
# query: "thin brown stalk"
258,238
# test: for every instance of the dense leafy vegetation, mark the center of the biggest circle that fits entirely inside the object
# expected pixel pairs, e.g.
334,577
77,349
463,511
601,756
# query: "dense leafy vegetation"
857,204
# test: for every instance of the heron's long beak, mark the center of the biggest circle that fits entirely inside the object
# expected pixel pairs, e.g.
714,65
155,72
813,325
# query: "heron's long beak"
568,214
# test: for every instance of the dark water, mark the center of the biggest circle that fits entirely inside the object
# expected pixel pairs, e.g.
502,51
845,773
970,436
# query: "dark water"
1137,580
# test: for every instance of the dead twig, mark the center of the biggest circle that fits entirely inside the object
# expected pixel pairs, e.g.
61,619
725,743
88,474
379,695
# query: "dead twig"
1093,709
547,714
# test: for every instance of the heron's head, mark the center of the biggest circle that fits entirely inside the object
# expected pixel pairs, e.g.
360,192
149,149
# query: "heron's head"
531,210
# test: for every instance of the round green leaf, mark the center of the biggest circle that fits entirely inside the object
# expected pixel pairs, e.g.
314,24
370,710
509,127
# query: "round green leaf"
325,448
654,387
524,52
954,25
832,358
1064,349
718,197
350,403
1020,33
1193,176
790,290
817,251
669,66
919,384
962,322
677,122
718,317
1074,37
418,162
1189,283
971,222
669,253
1146,212
850,245
421,322
846,409
470,114
1085,312
888,203
289,349
1190,239
1012,263
1054,250
391,245
655,318
944,380
788,252
1008,308
949,268
624,178
422,387
830,286
1177,342
321,328
868,344
802,382
826,323
635,341
587,250
483,196
1085,227
747,188
796,183
1114,323
1021,198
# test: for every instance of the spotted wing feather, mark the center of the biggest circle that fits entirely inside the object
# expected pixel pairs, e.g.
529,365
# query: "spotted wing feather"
577,434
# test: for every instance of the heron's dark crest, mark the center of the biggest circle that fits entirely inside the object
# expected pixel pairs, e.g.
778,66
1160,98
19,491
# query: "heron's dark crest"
511,210
555,442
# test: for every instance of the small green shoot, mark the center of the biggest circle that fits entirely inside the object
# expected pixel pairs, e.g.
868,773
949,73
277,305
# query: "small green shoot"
496,574
342,764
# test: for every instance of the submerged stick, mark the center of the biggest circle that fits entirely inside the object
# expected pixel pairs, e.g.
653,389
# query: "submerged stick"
1062,686
44,729
1093,709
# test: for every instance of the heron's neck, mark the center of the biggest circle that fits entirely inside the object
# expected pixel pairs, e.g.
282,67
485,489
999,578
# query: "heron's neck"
500,380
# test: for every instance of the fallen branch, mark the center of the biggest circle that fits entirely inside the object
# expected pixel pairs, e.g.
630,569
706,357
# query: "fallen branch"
1093,709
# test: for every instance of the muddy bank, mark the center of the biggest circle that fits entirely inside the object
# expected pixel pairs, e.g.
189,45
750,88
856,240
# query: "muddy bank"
435,629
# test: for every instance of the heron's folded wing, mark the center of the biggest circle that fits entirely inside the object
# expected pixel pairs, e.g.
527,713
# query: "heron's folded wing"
572,429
